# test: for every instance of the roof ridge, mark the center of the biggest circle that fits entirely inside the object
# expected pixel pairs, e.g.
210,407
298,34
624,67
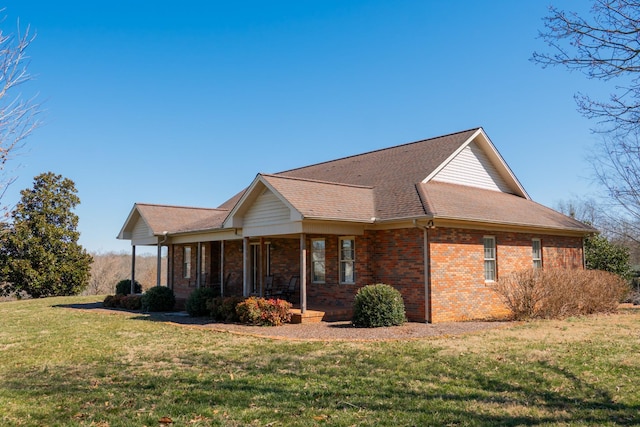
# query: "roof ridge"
160,205
379,150
319,181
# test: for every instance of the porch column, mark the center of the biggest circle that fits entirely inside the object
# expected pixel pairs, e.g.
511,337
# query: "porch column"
262,267
133,269
245,266
198,265
222,268
170,255
159,264
303,273
427,275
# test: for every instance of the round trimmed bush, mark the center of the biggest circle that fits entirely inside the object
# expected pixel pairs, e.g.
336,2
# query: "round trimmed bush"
378,305
158,298
123,287
196,304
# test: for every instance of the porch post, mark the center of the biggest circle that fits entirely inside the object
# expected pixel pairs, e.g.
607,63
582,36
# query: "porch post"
303,273
222,268
261,266
198,265
159,263
245,266
170,254
427,275
133,269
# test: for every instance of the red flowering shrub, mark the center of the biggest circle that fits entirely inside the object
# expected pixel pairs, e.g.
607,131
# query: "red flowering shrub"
264,312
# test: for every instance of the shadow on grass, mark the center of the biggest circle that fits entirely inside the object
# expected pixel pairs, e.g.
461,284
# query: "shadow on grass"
450,391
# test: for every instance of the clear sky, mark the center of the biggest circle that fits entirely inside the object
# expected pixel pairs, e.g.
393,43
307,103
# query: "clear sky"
184,102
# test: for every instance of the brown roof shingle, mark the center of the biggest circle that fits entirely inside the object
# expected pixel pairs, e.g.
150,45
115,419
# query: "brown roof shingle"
452,201
325,200
176,219
391,172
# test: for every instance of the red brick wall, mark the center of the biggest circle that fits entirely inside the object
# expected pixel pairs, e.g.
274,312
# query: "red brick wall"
395,257
398,261
458,288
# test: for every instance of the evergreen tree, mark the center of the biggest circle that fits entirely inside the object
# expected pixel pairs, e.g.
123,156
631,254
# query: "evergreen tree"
601,254
40,252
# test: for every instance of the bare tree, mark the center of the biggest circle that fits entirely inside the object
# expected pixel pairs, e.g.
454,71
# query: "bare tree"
604,46
111,267
18,115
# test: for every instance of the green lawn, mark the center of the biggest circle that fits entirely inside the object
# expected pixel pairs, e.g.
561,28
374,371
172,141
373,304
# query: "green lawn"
68,367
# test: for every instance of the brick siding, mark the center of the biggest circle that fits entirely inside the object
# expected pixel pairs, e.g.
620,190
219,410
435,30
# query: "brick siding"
395,257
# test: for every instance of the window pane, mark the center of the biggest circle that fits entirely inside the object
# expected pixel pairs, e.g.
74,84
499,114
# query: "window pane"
187,262
489,258
317,260
347,260
346,273
489,270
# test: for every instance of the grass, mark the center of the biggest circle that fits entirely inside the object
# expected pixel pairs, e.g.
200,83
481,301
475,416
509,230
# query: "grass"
67,367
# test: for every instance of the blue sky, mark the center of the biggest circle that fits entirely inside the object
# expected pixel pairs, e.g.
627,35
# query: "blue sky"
183,103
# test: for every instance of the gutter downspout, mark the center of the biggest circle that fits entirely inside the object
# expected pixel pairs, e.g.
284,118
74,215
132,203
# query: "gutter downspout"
427,267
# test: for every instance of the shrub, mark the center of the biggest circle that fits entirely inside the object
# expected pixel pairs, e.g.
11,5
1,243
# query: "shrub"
158,298
131,302
112,301
224,308
378,305
264,312
559,293
196,304
123,287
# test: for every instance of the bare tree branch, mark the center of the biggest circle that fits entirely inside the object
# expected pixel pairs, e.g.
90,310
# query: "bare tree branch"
605,47
18,115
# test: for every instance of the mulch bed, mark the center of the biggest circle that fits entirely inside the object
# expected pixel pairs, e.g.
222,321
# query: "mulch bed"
322,331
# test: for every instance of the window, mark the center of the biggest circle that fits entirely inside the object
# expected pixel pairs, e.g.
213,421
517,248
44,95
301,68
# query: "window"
186,262
317,261
347,260
536,253
203,260
489,258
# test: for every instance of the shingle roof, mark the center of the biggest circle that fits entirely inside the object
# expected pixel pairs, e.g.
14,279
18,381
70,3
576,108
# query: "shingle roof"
385,184
325,200
452,201
391,172
176,219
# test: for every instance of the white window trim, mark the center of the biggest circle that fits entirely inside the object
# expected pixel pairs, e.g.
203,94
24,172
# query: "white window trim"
494,259
324,261
341,261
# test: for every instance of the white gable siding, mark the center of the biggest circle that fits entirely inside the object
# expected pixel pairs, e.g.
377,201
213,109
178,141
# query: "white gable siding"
141,230
266,210
472,167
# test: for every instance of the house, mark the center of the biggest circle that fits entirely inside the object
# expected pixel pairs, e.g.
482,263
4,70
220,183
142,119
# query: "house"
439,219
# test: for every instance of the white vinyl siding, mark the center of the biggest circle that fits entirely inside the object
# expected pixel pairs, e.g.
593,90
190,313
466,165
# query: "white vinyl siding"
267,210
473,168
489,243
347,260
141,231
536,253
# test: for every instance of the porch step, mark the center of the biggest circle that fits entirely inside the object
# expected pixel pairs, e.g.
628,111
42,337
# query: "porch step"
327,314
309,316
